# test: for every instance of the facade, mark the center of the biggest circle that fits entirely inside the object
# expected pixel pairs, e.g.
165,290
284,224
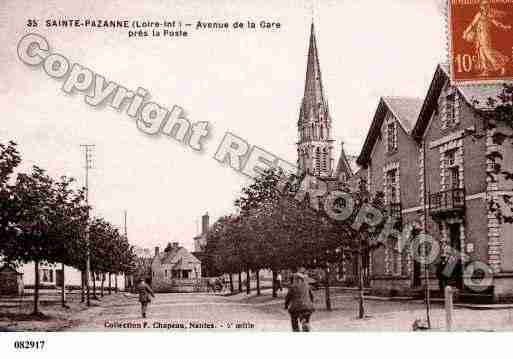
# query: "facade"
51,276
175,270
429,158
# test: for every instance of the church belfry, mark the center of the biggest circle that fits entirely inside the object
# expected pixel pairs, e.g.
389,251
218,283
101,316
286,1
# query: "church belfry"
315,143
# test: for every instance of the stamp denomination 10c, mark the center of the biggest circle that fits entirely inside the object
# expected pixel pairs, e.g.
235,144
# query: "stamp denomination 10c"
480,40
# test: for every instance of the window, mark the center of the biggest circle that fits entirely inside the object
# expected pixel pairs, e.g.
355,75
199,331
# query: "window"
450,115
165,273
44,275
185,274
391,187
455,177
318,160
450,158
50,275
391,135
325,159
396,257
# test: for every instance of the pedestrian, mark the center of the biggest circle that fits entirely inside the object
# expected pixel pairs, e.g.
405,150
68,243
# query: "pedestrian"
279,282
145,292
299,302
442,278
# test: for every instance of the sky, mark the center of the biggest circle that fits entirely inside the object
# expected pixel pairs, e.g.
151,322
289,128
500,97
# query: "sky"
248,82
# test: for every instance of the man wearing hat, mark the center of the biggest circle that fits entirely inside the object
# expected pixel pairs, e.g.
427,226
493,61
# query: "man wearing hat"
299,302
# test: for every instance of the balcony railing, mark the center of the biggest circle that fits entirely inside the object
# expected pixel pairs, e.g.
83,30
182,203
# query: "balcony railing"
448,201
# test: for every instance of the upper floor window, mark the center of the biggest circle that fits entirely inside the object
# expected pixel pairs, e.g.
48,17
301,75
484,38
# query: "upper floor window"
454,178
324,159
450,115
392,186
391,134
318,160
449,108
450,158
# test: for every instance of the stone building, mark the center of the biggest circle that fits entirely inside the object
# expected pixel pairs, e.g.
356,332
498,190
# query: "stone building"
175,270
429,158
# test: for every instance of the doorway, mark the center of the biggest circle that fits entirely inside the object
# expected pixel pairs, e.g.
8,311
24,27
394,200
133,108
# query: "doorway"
456,279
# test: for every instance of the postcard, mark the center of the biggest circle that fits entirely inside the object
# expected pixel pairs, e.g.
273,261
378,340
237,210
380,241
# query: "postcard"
243,166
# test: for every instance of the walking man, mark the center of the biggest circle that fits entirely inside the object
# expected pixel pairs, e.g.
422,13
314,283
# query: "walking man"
299,302
279,284
144,291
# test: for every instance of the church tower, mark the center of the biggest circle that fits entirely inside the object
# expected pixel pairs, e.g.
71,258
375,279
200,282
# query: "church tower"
315,145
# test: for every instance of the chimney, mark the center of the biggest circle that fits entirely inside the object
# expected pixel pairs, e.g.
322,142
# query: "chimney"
204,223
156,251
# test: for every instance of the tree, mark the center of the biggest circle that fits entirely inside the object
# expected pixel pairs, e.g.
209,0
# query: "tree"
38,221
9,160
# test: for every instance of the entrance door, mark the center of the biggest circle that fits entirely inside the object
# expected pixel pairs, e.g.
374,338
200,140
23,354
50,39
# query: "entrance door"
455,240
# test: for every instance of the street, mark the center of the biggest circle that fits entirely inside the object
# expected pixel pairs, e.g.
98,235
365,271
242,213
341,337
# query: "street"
207,312
204,312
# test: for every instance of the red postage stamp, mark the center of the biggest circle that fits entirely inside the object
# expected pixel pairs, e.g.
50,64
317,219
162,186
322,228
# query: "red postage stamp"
480,40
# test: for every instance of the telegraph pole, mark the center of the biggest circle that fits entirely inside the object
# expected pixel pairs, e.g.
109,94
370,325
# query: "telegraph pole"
88,149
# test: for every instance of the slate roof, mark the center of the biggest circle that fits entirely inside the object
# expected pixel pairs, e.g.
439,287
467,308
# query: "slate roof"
475,95
472,93
404,109
176,255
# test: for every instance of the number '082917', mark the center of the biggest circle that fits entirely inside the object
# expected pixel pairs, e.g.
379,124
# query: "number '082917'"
29,344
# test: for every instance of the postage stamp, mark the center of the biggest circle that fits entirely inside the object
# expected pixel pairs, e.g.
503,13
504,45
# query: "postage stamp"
480,40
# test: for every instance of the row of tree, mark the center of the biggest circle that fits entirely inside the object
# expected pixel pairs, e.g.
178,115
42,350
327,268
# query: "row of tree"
45,220
273,230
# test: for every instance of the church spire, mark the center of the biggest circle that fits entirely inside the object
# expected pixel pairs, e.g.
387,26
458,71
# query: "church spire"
314,124
314,92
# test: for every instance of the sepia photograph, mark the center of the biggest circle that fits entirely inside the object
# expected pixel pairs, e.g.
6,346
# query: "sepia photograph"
197,166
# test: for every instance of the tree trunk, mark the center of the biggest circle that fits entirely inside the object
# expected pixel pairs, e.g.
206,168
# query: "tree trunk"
94,285
110,283
36,288
327,289
231,283
116,282
361,308
63,294
258,281
88,286
82,287
240,282
102,284
248,282
275,284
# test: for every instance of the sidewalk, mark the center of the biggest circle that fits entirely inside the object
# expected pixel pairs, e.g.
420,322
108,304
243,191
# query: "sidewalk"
387,314
463,320
15,313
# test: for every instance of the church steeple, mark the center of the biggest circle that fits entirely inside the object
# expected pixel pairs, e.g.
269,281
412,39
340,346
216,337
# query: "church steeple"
314,124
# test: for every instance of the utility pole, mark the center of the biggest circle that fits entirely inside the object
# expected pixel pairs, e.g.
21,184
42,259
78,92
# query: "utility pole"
88,149
130,277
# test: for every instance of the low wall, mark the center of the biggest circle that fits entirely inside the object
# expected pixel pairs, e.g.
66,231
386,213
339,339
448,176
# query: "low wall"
179,286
